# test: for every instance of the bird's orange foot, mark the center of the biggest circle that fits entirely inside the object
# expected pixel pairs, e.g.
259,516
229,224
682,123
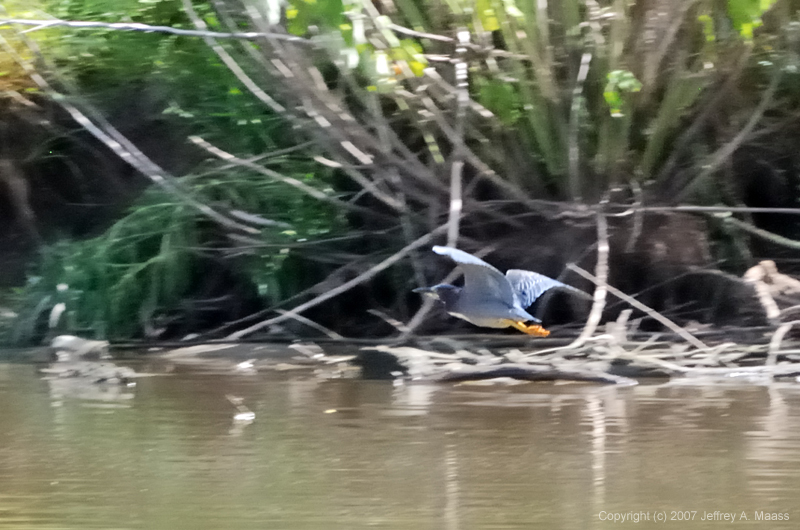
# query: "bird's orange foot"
534,329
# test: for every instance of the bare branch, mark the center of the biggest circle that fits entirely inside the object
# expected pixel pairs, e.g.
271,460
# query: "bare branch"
701,209
421,35
764,234
574,127
305,188
694,341
723,153
775,342
310,323
457,157
146,28
601,286
121,146
361,278
230,62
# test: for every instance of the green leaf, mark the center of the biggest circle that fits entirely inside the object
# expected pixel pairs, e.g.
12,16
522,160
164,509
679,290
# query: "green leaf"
487,15
619,82
512,10
500,98
708,27
746,15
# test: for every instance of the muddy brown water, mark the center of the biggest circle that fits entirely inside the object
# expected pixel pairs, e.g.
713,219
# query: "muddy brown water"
350,454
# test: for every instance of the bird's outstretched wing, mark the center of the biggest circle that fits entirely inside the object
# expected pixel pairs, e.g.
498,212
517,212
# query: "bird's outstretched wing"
481,280
529,285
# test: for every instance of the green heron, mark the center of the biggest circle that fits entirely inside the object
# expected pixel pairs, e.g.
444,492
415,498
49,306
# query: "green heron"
490,299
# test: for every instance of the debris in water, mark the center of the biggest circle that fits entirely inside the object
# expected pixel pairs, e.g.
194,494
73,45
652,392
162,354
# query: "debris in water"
245,415
247,367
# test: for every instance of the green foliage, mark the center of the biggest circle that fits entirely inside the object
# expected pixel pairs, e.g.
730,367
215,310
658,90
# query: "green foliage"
149,260
342,28
746,15
327,14
106,65
651,84
612,84
642,81
620,82
500,98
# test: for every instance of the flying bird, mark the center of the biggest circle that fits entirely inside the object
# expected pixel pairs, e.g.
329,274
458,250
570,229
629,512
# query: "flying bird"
490,299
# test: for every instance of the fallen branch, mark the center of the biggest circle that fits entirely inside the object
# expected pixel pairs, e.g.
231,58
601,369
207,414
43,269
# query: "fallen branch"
427,365
528,372
310,323
775,342
691,339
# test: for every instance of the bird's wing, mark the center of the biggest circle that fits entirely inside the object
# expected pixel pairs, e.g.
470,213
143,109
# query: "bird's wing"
481,280
531,285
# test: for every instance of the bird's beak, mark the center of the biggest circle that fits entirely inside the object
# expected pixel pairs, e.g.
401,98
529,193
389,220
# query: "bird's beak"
427,291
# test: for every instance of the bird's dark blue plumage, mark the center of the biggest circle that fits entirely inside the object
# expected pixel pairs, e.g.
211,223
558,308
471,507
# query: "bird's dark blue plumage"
529,285
489,298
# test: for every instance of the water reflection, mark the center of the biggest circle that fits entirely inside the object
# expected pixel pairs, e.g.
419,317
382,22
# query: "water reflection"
79,389
355,454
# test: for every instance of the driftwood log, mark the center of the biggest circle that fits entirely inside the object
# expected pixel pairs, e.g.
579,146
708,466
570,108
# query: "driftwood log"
528,372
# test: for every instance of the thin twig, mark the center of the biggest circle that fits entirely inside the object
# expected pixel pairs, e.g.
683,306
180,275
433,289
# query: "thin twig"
457,158
230,62
638,218
648,310
483,169
600,291
630,210
574,127
421,35
310,323
396,324
337,131
775,342
361,278
764,234
385,136
146,28
305,188
724,152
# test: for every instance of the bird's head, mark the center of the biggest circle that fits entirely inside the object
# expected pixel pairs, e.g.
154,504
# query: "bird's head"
443,292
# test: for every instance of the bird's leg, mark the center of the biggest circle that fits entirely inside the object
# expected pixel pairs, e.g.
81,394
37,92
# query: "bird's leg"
534,329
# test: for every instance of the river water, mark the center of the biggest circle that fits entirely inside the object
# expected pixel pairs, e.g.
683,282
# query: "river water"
350,454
